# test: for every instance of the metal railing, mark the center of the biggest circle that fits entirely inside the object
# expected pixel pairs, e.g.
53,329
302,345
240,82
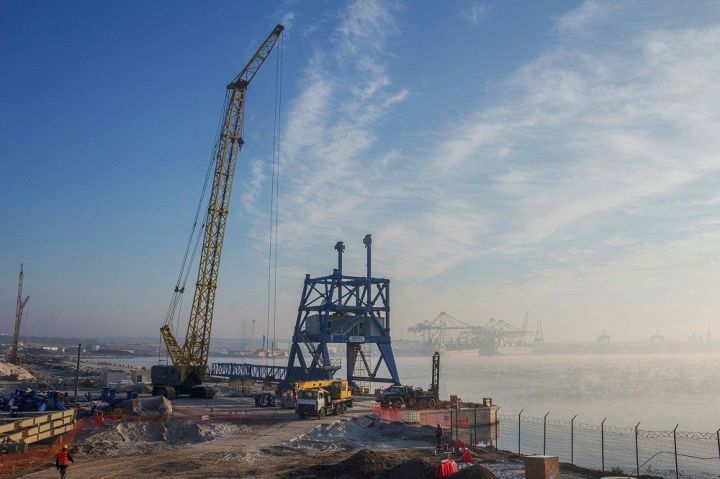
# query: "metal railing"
245,370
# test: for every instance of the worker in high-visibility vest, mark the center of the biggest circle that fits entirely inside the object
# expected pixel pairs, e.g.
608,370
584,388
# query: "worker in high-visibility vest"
63,460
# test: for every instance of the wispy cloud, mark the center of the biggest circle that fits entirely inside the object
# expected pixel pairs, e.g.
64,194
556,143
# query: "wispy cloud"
595,132
251,188
554,180
475,12
331,129
578,20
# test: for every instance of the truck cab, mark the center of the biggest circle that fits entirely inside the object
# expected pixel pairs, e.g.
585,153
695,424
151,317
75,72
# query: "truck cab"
397,396
311,402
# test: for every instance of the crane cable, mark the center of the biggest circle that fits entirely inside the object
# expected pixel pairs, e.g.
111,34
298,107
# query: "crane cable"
274,200
277,187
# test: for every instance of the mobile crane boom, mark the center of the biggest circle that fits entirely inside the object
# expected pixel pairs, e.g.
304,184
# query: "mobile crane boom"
14,357
189,361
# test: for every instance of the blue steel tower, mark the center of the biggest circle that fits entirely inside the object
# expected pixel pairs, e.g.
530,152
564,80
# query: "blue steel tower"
353,310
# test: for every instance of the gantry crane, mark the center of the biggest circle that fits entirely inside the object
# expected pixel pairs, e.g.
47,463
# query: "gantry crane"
189,361
14,357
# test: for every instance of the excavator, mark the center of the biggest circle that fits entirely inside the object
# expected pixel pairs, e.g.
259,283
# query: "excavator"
188,370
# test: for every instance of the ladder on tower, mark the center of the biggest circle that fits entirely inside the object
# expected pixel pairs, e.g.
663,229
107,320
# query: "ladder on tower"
363,385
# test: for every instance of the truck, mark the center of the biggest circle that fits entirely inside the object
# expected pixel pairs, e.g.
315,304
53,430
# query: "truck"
323,398
398,396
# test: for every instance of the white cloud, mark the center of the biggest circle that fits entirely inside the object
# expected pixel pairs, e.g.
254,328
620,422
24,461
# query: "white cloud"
288,19
553,182
331,126
598,131
253,187
475,13
580,18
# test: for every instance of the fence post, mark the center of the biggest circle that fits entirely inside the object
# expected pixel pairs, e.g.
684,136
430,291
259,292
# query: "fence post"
519,416
497,417
451,424
717,434
475,426
637,454
572,439
677,472
602,443
545,430
457,414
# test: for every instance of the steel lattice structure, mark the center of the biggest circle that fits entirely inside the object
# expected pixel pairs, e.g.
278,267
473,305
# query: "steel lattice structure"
14,357
245,370
353,310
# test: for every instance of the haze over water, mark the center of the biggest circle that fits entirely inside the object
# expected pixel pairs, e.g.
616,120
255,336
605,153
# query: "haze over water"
660,390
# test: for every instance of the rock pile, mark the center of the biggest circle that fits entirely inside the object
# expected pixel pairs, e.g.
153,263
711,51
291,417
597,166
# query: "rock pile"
12,372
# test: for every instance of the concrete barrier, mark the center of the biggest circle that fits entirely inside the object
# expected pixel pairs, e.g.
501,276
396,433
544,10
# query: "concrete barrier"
542,467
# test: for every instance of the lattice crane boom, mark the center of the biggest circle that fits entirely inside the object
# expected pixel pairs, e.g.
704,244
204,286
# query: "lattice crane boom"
14,357
192,356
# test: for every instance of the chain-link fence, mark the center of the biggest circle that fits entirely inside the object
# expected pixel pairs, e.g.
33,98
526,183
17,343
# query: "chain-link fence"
629,450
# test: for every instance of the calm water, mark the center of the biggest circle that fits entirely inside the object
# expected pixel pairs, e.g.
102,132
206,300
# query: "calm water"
658,390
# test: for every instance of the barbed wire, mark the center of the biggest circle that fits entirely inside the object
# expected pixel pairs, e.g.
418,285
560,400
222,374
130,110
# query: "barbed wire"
615,430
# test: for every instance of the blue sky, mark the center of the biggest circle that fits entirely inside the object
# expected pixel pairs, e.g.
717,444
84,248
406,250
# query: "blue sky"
559,158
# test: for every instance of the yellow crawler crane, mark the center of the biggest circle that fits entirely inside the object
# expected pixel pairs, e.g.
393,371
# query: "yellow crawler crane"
327,397
189,361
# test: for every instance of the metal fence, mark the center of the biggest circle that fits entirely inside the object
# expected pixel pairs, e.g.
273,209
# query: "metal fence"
629,450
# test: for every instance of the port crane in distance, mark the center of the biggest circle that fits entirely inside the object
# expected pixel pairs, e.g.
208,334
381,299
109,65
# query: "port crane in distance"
189,362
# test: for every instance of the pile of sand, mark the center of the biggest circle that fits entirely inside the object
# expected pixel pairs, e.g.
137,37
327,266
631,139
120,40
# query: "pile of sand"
12,372
475,472
351,434
145,436
414,469
362,464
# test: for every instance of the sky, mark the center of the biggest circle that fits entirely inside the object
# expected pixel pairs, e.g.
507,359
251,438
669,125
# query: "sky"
559,159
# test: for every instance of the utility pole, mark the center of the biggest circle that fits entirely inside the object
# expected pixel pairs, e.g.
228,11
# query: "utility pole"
252,346
13,357
77,374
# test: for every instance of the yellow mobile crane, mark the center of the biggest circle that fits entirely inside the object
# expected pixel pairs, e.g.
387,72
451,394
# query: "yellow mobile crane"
323,397
189,361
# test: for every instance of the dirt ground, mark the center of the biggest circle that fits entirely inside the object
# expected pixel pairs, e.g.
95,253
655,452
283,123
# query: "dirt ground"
276,446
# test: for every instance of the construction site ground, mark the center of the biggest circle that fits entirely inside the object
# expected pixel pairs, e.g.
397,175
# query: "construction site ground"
224,441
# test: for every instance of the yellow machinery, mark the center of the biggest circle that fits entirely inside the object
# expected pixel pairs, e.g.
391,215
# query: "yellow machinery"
323,397
189,361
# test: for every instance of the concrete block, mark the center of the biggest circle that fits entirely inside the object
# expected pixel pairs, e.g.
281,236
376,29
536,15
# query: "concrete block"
411,417
112,378
484,416
542,467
